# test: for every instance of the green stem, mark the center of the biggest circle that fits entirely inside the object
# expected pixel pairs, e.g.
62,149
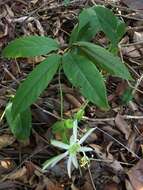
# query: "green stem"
61,93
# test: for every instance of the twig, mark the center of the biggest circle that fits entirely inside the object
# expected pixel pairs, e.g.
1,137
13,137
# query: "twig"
130,17
11,75
127,117
91,178
47,112
26,159
137,84
53,7
110,161
132,44
129,150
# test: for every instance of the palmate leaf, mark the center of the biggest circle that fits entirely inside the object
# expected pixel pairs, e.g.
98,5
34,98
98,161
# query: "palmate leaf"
83,74
105,60
35,83
30,46
21,125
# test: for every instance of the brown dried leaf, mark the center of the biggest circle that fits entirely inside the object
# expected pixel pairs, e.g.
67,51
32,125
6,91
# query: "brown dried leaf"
34,1
132,142
98,149
123,126
136,176
73,100
47,184
8,185
111,186
128,185
108,158
87,186
73,187
87,181
35,60
131,51
19,175
138,36
115,164
134,4
5,32
6,140
6,165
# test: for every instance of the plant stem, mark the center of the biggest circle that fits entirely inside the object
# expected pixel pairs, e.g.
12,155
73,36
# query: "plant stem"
61,93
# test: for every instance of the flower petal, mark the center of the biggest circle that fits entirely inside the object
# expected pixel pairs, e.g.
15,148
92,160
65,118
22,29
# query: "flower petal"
86,135
54,160
74,161
85,149
59,144
75,125
72,141
69,165
61,156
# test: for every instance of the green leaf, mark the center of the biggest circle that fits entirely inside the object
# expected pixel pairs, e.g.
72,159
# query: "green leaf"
95,19
127,96
35,83
84,75
21,125
87,27
110,24
66,2
62,127
79,115
30,46
105,60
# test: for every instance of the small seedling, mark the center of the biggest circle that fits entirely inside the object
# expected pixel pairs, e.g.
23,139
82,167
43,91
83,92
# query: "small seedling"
82,61
71,150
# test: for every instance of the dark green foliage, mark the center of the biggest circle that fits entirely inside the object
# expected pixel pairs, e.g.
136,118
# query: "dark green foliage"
82,65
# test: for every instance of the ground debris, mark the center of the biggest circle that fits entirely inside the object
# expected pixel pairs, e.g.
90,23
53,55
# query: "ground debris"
117,142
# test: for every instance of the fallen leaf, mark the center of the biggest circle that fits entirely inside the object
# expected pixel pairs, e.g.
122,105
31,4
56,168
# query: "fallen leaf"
73,100
34,1
138,36
134,4
131,52
136,176
128,185
123,126
30,169
8,185
35,60
6,165
73,187
108,157
6,140
87,186
111,186
132,145
20,175
47,184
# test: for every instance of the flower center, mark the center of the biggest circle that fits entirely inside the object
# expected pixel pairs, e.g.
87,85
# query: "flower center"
74,148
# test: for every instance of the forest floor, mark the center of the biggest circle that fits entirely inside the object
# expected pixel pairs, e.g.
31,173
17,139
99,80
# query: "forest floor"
118,139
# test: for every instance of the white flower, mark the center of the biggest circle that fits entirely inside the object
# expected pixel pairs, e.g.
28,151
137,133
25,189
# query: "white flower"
71,149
